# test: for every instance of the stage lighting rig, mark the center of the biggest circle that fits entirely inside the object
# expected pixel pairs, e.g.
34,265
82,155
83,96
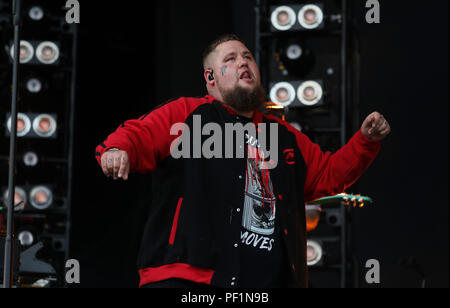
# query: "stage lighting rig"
33,125
37,52
33,199
297,94
44,164
304,17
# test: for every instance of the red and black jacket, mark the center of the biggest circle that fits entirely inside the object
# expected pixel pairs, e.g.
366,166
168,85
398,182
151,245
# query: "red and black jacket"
195,223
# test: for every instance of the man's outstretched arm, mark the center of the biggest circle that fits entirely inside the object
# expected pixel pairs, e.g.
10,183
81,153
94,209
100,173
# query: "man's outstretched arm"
330,174
137,146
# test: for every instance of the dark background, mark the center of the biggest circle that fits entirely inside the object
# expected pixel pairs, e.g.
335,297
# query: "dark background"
133,57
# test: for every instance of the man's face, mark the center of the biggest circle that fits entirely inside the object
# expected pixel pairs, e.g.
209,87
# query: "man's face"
237,76
235,66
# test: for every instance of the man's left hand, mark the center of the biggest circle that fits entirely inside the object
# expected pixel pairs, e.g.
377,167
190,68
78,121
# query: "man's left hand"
376,127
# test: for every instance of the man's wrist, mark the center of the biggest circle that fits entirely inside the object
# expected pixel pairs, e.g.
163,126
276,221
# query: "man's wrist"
113,150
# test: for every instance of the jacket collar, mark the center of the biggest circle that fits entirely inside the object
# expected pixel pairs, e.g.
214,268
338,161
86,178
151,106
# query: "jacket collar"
257,116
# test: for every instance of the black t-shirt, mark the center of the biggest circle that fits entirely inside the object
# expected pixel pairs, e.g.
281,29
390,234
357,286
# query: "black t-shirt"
262,253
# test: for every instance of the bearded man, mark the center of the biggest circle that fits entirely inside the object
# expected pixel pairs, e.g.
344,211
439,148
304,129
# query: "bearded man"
231,221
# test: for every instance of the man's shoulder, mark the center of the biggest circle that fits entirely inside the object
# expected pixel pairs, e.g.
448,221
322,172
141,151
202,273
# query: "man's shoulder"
180,107
189,102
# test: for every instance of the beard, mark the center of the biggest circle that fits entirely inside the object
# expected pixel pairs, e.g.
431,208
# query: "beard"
244,100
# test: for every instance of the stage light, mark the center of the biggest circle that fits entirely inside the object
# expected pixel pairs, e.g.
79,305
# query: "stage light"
44,125
20,199
23,125
312,217
310,16
30,159
34,85
41,198
314,253
47,52
26,238
36,13
310,93
283,94
26,52
283,18
294,52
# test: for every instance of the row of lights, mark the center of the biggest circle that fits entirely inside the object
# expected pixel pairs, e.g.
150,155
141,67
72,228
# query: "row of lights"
43,125
309,93
314,251
41,198
46,52
285,18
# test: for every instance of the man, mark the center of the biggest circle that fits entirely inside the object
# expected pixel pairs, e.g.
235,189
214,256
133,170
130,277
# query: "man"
231,222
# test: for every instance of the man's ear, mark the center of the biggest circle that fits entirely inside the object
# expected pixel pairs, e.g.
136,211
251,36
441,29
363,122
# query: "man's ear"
209,76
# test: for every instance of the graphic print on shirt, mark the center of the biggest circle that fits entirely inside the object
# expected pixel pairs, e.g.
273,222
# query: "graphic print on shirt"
260,203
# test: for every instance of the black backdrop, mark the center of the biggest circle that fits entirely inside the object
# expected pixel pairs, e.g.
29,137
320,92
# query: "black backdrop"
133,57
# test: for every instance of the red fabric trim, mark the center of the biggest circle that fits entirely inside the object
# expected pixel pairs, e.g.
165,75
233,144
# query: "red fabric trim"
147,140
330,174
175,222
178,271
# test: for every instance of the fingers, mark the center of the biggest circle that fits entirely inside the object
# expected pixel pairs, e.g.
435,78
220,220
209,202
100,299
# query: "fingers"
376,121
376,127
124,167
116,164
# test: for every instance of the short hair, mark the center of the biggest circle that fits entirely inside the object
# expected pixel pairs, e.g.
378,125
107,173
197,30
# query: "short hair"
218,41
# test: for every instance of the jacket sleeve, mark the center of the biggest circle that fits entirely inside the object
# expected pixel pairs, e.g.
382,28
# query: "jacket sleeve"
147,140
331,174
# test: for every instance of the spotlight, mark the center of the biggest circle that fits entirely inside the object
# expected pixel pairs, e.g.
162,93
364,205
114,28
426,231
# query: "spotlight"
312,217
295,57
20,199
314,253
44,125
26,52
47,52
283,94
36,13
34,85
41,198
23,125
310,93
294,52
26,238
283,18
310,16
30,159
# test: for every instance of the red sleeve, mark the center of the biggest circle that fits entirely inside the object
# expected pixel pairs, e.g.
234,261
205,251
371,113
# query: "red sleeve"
331,174
147,140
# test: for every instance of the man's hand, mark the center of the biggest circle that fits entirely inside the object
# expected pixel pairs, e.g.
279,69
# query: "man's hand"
115,163
376,127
